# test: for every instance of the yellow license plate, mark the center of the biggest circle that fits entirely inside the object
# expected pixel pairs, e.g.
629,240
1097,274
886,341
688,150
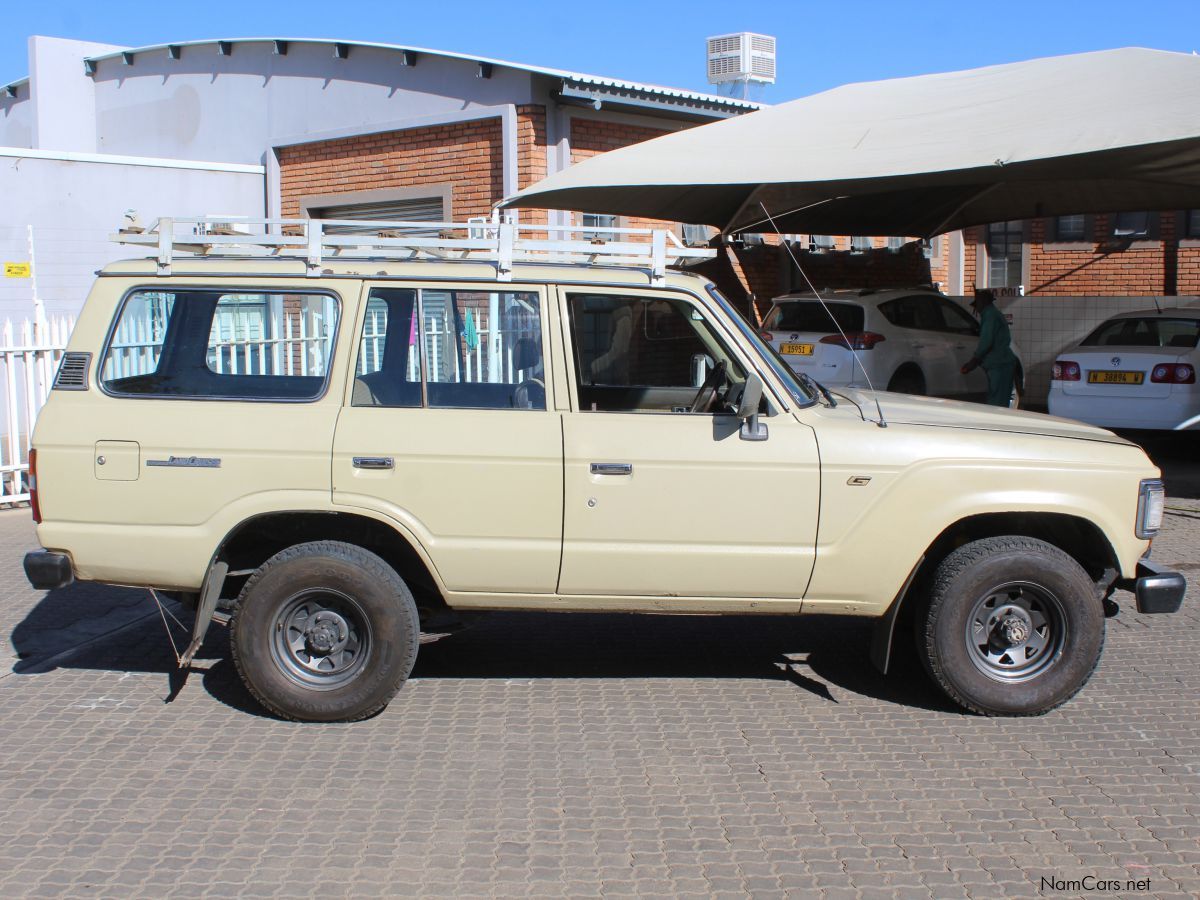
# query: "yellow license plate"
1116,377
796,349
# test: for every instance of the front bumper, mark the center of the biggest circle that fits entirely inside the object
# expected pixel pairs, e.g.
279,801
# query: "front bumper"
1157,590
48,571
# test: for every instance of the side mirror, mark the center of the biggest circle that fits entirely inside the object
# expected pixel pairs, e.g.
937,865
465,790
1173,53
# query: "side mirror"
751,397
752,429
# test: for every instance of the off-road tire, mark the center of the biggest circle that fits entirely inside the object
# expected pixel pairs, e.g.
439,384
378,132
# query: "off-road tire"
957,613
366,591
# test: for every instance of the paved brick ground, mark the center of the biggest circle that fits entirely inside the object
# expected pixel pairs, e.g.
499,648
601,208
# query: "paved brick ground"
585,755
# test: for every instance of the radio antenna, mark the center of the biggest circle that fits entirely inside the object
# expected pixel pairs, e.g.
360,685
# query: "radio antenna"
882,423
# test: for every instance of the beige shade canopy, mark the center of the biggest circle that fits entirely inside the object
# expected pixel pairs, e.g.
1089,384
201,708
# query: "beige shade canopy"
1109,131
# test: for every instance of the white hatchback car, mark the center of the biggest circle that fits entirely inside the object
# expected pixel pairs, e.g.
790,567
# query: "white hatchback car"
910,341
1137,370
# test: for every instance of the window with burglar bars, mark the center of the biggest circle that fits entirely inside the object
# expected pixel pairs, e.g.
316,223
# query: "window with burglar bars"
1069,228
1005,249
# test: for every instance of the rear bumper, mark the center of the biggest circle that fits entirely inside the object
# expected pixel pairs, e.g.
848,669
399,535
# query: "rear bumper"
47,571
1157,589
1150,413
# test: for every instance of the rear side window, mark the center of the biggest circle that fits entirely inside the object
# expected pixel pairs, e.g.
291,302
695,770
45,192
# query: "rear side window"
1146,332
813,316
468,349
221,345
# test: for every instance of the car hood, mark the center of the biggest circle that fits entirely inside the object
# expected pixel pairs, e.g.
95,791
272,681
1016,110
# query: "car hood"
904,409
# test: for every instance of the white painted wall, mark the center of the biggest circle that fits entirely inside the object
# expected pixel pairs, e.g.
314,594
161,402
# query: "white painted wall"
232,108
74,206
63,98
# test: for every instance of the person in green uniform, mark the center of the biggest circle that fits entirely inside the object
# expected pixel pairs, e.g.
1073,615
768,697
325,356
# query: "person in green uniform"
994,350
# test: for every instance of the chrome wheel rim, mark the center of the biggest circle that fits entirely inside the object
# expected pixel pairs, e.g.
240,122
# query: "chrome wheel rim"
1015,631
320,639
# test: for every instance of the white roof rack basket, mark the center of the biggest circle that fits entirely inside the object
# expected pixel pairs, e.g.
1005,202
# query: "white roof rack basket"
502,243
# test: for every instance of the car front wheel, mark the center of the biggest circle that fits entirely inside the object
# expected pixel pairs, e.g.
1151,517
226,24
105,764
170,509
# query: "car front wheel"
324,632
1012,627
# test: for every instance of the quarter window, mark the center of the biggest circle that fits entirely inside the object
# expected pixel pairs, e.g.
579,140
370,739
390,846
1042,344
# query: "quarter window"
221,345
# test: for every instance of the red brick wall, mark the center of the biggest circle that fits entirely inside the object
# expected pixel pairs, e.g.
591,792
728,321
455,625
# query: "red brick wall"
468,155
591,137
1106,268
1103,266
1188,270
532,162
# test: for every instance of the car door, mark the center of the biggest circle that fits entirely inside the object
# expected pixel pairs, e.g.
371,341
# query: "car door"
962,332
661,500
446,430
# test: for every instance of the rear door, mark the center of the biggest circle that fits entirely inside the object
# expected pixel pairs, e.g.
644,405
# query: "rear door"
447,429
961,331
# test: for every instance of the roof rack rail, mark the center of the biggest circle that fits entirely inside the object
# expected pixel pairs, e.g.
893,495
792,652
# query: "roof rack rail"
493,240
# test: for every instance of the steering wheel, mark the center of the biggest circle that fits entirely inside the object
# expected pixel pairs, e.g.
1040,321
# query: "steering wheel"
708,391
529,394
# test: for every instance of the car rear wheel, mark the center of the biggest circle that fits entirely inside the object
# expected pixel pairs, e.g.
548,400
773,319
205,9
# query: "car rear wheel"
1012,627
907,381
325,632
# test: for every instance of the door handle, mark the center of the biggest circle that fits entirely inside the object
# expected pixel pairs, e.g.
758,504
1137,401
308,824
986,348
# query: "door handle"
374,462
612,468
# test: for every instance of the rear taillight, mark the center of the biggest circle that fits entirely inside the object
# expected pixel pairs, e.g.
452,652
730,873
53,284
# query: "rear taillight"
1065,370
854,340
1173,373
33,497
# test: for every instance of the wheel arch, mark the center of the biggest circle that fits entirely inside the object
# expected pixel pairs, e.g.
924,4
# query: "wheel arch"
256,539
909,367
1079,538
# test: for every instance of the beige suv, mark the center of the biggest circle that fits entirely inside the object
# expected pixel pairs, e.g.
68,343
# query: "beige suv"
340,448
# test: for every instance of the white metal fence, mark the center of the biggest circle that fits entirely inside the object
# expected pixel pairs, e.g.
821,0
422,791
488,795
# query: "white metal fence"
29,357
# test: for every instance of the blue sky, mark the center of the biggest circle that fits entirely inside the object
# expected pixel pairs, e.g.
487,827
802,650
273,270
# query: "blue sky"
821,44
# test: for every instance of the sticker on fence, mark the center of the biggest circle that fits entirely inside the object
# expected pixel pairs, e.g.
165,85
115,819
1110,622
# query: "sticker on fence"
16,270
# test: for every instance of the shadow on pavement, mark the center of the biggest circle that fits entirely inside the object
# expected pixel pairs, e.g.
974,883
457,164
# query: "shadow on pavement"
824,656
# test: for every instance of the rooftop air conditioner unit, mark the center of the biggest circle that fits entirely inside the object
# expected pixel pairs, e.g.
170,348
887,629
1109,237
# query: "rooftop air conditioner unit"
742,57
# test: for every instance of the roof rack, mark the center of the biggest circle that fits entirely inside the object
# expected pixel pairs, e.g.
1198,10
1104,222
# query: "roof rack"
493,240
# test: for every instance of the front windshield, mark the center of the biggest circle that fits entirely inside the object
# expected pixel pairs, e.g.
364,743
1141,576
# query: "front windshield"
799,391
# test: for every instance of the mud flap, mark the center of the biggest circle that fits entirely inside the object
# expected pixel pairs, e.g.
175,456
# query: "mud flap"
210,594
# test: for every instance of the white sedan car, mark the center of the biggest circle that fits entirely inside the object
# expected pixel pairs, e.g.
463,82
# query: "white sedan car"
1137,370
911,341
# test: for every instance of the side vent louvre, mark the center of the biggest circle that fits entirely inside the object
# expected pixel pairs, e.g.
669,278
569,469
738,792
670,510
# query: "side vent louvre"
73,372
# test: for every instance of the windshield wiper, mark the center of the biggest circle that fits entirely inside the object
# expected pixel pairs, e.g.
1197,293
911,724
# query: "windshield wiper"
818,388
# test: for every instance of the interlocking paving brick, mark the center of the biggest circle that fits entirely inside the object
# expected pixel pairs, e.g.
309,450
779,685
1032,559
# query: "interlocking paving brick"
586,755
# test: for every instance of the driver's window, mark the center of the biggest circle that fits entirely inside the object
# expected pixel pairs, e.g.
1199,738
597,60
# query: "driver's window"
648,354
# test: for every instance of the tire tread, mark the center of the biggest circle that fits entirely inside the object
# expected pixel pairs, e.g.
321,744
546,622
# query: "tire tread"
359,557
947,572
